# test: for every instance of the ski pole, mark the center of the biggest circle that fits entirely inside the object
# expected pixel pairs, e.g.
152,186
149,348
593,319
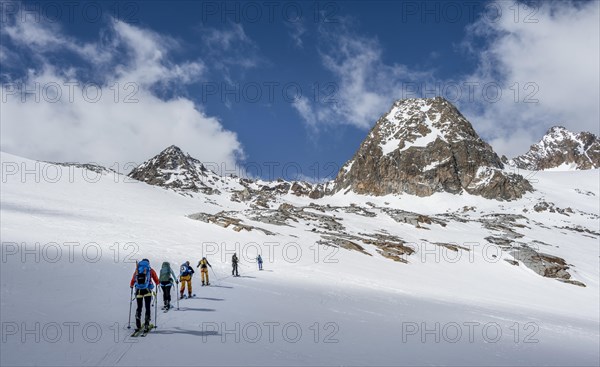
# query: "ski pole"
130,302
177,293
215,275
156,307
131,298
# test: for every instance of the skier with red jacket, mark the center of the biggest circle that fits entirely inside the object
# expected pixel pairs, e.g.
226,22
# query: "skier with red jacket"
142,281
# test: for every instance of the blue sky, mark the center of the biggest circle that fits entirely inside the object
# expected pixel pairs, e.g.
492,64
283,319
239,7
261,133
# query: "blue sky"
289,84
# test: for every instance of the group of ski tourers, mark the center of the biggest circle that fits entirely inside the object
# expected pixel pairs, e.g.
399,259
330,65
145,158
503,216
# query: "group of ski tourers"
144,280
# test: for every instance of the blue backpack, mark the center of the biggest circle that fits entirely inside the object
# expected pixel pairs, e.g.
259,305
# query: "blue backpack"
142,276
184,270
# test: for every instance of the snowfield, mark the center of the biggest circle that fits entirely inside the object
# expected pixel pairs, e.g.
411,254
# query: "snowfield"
69,245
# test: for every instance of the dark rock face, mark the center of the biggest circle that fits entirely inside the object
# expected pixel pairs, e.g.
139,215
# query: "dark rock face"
173,169
423,146
561,147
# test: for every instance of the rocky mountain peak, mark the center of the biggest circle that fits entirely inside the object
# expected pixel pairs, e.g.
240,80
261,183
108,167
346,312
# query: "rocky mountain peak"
173,158
416,122
562,149
172,168
425,145
172,150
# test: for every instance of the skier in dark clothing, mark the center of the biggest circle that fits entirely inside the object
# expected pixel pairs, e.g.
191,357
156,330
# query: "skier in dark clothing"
142,281
185,276
234,263
167,277
259,260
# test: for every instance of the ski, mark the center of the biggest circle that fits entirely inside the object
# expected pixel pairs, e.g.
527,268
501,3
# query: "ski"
142,332
147,331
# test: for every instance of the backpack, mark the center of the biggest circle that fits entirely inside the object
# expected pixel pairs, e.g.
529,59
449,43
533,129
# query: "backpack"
183,270
142,276
165,274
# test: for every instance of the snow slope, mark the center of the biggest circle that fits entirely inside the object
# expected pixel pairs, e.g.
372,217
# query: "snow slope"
312,305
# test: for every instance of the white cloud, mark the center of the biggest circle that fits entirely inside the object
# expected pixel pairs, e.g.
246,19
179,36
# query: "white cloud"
148,63
225,39
559,54
365,86
304,108
296,32
229,47
47,37
107,130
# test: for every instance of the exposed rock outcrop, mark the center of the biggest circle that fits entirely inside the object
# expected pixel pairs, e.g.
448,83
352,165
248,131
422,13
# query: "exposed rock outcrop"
424,146
173,169
562,149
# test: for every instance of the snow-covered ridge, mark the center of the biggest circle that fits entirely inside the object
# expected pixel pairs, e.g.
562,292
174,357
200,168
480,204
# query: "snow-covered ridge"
173,169
562,150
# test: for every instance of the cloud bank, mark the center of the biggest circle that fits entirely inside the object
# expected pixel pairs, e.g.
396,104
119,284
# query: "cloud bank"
103,101
556,50
551,51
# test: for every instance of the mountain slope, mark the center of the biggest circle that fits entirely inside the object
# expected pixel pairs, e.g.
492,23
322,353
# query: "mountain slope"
562,149
335,295
175,170
423,146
